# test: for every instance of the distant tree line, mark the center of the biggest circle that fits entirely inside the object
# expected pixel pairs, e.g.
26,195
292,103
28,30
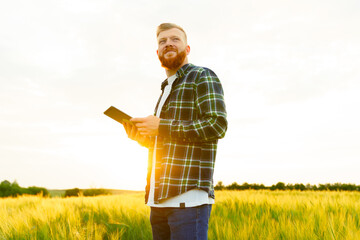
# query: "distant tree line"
283,186
75,192
8,189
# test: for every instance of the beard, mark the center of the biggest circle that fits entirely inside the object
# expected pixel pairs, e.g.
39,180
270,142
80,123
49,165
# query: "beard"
173,62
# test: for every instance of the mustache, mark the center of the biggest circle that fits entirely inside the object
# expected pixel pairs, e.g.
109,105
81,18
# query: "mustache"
169,48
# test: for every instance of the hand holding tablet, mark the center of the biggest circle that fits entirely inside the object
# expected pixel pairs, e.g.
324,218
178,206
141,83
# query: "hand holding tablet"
117,115
144,126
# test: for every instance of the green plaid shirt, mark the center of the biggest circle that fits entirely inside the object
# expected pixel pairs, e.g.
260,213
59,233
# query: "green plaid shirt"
193,118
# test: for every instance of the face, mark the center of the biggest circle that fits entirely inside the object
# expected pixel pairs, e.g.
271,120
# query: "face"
172,48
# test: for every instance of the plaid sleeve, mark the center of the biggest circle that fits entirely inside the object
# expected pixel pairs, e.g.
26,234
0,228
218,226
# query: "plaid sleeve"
210,122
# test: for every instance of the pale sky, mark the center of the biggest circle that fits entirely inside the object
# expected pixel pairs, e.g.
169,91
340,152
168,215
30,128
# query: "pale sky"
289,69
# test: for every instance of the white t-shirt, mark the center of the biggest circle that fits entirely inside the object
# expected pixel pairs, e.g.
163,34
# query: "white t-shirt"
192,198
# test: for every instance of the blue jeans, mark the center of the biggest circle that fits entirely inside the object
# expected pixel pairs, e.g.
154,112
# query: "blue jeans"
180,223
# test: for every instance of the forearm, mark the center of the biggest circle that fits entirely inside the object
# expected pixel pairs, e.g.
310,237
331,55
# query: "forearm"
202,130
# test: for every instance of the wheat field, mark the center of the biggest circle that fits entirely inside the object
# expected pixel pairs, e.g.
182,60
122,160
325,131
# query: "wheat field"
236,215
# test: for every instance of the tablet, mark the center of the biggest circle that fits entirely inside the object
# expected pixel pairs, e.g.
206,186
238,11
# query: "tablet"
117,115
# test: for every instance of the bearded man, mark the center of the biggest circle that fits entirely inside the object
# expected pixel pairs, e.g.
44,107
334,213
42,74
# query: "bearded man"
182,137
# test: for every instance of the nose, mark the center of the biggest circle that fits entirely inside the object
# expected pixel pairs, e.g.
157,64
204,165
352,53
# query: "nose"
168,43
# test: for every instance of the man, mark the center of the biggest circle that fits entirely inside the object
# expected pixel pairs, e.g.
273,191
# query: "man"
182,137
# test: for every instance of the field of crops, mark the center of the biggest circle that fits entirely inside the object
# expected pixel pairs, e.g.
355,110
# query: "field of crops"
236,215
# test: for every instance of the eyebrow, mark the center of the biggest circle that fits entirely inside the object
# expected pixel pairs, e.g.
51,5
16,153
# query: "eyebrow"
173,36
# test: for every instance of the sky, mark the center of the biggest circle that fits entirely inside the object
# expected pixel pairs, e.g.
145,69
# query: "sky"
289,69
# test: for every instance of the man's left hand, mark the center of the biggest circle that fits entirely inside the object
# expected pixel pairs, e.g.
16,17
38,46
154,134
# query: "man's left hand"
148,126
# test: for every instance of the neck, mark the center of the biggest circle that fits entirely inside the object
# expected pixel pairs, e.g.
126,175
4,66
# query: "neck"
170,72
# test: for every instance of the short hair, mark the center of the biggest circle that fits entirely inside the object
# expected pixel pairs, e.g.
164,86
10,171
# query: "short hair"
166,26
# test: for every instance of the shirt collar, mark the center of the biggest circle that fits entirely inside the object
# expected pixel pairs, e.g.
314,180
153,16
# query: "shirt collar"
164,84
181,72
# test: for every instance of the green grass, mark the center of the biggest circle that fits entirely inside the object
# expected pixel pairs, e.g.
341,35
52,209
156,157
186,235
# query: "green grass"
236,215
61,192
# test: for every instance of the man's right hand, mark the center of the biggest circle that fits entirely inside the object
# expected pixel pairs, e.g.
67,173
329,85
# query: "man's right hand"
134,134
